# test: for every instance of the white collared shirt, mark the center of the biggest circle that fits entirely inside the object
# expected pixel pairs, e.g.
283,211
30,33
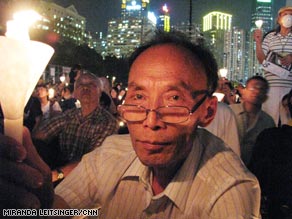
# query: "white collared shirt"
212,183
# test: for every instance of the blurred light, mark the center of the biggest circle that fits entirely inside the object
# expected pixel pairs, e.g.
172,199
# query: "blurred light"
223,72
165,8
121,124
18,27
259,24
62,78
51,93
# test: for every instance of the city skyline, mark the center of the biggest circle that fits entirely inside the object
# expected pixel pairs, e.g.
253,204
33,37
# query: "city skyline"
98,13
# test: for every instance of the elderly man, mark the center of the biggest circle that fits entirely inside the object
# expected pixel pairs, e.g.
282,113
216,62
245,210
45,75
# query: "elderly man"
79,131
166,167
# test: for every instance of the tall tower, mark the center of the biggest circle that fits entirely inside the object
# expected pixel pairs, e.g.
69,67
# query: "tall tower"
215,24
135,25
234,54
133,8
164,19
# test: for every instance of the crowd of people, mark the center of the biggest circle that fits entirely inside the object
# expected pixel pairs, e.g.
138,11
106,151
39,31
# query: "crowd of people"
187,155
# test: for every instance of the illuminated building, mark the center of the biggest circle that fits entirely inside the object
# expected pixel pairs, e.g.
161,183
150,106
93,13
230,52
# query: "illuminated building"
194,33
136,25
163,22
65,22
234,54
132,8
215,24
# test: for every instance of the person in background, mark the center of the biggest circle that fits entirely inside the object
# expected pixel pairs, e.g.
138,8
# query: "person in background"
50,107
225,87
250,118
280,42
32,113
272,164
78,130
166,167
287,105
74,74
115,95
224,126
67,101
106,100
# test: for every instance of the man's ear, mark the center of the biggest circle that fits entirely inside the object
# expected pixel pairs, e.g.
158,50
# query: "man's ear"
209,112
265,98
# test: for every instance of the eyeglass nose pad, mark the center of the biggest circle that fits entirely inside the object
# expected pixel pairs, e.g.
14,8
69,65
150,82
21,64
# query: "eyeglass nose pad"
152,119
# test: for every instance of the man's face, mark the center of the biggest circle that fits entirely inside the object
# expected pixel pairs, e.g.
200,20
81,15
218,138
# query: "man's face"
255,92
87,90
164,75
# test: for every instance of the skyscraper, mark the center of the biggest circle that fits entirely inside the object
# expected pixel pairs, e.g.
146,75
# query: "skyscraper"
132,8
234,53
163,22
215,24
135,25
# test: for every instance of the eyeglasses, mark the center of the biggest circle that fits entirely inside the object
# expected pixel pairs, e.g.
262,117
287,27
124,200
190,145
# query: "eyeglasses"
167,114
254,89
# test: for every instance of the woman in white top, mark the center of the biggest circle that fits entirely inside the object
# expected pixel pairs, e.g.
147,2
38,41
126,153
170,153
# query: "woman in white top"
49,107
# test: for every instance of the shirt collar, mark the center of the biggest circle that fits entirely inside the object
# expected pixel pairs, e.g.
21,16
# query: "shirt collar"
178,189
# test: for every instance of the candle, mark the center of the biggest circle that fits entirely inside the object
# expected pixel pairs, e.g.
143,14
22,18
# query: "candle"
22,63
259,24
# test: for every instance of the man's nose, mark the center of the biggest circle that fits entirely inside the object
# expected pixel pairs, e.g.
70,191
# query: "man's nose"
153,120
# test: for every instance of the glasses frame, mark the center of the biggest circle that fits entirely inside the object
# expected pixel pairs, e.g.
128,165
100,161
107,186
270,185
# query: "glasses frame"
191,111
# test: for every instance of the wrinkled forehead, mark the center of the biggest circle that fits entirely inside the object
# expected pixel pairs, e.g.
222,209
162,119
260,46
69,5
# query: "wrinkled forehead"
168,61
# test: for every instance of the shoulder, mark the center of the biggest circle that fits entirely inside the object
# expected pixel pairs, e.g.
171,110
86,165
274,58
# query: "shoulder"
236,108
106,116
270,35
222,173
220,162
267,119
225,110
114,147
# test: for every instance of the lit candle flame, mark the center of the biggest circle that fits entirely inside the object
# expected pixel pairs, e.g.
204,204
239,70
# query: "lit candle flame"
18,28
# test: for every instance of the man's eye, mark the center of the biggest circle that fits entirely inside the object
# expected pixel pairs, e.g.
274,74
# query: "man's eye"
138,96
175,97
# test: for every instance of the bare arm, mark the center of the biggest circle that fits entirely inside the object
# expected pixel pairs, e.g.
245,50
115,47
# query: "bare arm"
259,50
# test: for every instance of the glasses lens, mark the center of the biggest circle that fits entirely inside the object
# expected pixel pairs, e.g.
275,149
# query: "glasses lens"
132,113
173,114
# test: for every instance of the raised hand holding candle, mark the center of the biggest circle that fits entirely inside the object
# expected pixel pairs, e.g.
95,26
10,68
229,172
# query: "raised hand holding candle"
22,63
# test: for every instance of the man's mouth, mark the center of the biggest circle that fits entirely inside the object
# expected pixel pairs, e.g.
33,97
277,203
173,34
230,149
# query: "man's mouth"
153,145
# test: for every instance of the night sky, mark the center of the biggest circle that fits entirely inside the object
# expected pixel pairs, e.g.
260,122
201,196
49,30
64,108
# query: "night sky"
98,12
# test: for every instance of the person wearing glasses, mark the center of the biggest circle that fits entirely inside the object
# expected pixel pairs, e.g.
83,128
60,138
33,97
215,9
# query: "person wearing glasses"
250,118
165,167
